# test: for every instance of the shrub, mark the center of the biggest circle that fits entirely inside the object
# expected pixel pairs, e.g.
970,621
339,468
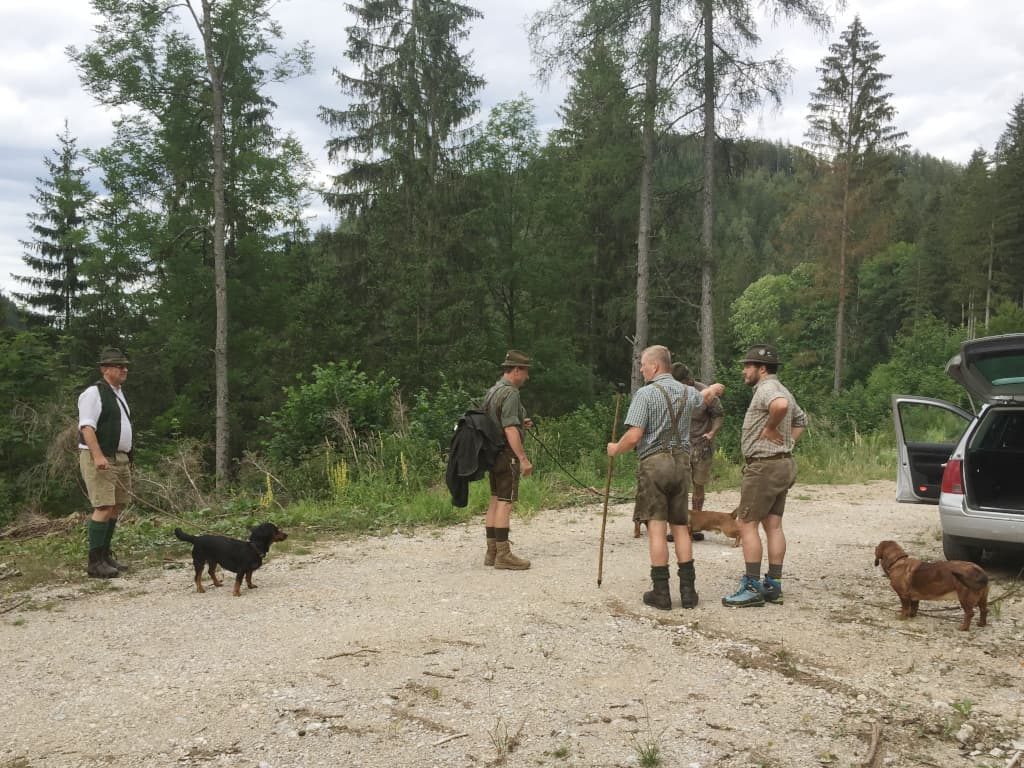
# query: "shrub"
435,412
338,403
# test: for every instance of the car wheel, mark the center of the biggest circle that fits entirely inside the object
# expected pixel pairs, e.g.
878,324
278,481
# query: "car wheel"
958,549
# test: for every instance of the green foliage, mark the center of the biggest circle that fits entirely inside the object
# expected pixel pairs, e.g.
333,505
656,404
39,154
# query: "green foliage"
435,411
33,385
1008,318
60,240
340,402
917,365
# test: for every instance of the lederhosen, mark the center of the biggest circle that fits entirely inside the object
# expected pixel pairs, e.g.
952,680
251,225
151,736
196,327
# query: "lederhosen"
663,476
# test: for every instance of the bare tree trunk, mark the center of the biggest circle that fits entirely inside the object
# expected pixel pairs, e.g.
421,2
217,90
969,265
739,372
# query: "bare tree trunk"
643,240
707,317
837,381
991,258
220,353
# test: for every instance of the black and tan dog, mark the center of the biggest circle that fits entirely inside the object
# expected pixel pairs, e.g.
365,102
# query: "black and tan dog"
914,580
239,557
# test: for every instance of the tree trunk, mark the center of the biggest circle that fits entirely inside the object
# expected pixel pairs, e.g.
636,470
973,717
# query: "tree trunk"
991,258
837,381
220,353
707,318
643,240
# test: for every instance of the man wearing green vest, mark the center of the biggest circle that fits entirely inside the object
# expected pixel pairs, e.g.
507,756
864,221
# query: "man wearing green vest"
104,456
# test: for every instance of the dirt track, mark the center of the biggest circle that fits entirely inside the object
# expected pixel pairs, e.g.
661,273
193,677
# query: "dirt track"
405,651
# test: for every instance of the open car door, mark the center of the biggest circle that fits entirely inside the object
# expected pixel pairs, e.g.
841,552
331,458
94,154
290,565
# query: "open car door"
927,432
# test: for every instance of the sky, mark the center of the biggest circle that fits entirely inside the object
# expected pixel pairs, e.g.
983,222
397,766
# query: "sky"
957,69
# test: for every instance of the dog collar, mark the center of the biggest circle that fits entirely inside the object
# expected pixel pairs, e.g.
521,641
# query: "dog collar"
887,566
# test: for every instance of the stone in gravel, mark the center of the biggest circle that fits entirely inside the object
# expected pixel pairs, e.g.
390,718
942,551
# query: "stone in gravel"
965,734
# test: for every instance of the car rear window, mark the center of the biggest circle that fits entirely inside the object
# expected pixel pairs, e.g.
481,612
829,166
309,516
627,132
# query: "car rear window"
1004,370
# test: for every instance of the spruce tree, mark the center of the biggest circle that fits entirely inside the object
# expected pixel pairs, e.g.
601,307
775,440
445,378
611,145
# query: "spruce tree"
400,139
61,239
851,128
1008,206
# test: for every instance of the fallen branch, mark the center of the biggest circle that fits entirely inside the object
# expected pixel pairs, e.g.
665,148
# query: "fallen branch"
350,653
440,674
1015,760
10,608
446,739
874,759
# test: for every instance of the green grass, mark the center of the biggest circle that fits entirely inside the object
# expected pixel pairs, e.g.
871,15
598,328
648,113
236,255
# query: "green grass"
371,505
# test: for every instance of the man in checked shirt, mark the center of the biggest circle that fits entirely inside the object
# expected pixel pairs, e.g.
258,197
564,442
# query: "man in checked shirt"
659,429
771,427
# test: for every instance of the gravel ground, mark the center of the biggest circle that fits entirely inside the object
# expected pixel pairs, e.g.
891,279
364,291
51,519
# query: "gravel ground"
405,650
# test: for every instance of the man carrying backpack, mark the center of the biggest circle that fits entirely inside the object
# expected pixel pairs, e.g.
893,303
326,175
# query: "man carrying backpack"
503,406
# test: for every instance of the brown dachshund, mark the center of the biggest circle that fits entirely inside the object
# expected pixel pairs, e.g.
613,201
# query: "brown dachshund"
704,520
723,522
914,581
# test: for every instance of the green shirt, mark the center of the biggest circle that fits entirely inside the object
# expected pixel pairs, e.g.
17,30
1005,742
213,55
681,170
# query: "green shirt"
504,407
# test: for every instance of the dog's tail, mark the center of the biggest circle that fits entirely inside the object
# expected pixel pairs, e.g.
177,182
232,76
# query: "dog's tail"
973,579
184,536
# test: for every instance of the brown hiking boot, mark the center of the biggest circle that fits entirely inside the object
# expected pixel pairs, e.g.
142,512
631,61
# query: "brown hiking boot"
505,560
98,567
491,551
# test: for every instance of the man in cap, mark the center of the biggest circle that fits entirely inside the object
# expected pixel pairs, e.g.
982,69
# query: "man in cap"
503,406
104,457
658,424
772,425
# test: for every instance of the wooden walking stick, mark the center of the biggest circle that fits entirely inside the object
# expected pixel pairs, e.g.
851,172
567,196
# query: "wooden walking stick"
607,491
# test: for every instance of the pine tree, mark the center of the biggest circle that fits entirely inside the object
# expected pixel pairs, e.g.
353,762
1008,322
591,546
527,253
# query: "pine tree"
401,138
61,239
851,128
1009,207
598,156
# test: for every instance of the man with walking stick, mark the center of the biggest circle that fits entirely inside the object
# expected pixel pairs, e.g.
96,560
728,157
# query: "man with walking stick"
658,424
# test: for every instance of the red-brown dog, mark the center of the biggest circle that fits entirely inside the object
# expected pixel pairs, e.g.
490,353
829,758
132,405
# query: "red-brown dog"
723,522
706,520
914,581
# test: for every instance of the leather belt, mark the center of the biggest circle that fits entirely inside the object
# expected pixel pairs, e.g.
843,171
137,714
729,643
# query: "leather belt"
752,459
670,452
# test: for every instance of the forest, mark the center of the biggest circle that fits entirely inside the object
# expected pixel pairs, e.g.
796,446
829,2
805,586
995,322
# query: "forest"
272,364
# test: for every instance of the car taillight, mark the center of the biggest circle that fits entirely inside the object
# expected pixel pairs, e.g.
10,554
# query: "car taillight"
952,477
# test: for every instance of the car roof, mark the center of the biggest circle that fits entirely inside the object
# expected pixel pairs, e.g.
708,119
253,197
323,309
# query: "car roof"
991,368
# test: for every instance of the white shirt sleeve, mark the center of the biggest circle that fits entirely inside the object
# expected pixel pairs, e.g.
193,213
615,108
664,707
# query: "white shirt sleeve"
89,407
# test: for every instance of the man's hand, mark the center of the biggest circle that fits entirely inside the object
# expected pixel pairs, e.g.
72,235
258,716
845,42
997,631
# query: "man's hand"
101,462
525,467
772,435
528,423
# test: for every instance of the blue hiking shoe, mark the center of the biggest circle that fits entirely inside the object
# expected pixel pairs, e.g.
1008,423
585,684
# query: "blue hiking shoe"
749,595
772,589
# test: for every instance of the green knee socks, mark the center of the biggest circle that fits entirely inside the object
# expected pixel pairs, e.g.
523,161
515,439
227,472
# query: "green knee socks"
97,534
100,534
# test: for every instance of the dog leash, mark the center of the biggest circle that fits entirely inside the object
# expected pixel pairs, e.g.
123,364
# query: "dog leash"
579,483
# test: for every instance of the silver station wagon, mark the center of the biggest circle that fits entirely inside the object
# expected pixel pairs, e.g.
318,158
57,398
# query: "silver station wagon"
970,464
